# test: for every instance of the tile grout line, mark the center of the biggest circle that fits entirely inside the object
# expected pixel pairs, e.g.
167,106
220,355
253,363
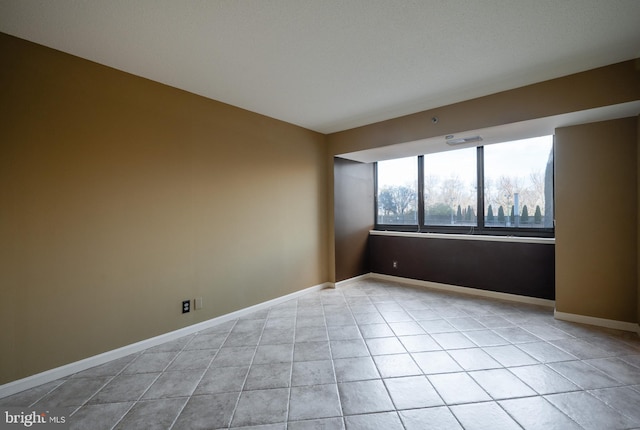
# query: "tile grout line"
175,419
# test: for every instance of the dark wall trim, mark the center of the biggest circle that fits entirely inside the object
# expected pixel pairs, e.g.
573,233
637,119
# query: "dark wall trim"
353,216
516,268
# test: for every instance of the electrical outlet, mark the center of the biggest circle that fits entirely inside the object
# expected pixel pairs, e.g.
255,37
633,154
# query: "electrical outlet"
186,306
395,264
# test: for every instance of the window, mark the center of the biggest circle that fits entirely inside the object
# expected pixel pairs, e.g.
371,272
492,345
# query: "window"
518,184
450,188
504,188
397,194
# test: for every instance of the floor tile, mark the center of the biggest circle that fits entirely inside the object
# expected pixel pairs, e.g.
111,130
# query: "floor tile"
277,336
396,365
465,323
111,368
484,416
359,356
622,399
501,384
581,348
584,375
234,356
617,369
588,411
406,328
546,332
385,345
209,341
314,401
369,318
536,413
264,376
436,362
412,392
545,352
150,362
473,359
266,354
439,418
452,340
124,388
207,412
437,326
320,424
348,348
376,330
455,388
343,332
355,369
419,343
193,359
517,335
98,417
363,397
311,351
28,397
382,420
73,392
222,380
311,334
510,356
313,373
174,384
261,407
486,338
543,379
152,414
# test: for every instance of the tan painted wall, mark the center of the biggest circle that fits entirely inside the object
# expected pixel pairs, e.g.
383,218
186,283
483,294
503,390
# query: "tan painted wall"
121,197
596,219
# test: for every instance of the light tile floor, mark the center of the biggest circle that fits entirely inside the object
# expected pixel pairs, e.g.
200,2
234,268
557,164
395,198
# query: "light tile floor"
372,355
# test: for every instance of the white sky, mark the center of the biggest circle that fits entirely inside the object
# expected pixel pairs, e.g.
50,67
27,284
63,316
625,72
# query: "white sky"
516,158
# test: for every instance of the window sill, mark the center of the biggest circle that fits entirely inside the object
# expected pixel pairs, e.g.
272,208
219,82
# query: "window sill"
486,238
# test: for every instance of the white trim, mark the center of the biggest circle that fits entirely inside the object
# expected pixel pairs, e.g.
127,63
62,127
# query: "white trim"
600,322
482,237
96,360
346,282
467,290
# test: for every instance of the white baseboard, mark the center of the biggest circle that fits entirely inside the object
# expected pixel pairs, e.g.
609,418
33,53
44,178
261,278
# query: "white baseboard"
600,322
467,290
96,360
346,282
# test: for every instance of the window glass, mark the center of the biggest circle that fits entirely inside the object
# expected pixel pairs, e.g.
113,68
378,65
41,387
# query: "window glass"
518,183
450,188
398,191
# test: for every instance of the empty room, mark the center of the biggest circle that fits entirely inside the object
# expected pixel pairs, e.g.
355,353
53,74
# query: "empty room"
296,214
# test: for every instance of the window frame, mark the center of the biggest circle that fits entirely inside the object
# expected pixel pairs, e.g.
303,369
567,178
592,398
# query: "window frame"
480,228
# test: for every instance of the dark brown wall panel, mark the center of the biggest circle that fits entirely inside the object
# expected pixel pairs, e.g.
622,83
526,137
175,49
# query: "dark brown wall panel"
353,212
517,268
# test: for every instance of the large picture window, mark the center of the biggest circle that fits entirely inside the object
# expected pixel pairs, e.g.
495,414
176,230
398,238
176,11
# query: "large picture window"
450,184
503,188
397,194
518,184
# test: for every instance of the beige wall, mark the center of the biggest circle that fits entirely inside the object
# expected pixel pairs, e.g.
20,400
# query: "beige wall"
596,220
121,197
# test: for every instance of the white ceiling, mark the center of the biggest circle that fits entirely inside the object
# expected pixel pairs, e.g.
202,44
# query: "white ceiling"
330,65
